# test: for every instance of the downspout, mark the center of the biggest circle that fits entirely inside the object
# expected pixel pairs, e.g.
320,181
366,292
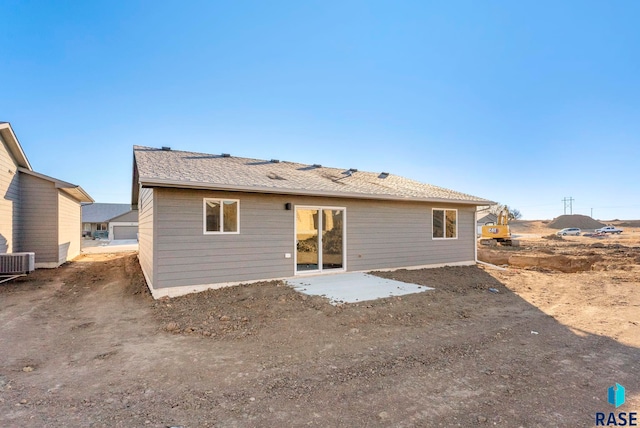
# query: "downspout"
475,235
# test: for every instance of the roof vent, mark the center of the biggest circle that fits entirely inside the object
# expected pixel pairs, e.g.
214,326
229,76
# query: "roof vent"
275,176
275,161
166,148
317,165
383,175
226,155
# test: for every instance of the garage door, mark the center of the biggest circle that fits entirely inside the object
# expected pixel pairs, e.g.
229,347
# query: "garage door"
125,232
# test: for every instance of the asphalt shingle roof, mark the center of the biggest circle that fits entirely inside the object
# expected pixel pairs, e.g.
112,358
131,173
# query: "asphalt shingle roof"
102,213
198,170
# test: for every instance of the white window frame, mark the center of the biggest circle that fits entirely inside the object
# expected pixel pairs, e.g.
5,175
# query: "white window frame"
444,225
204,216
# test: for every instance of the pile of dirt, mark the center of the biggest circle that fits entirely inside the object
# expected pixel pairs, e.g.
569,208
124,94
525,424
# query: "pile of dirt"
629,223
553,237
575,220
554,262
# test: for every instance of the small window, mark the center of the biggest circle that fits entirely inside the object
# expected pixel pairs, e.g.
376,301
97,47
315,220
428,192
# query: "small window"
221,216
102,227
445,224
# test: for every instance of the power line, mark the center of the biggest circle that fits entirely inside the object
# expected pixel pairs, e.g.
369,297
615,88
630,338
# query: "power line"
568,202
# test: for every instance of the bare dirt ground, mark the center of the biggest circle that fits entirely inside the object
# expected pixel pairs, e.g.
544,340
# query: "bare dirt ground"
86,345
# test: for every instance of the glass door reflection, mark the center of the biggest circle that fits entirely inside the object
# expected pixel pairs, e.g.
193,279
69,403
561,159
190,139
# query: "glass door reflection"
319,239
332,233
307,237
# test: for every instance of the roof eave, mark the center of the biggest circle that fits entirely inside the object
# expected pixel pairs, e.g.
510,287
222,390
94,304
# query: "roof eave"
14,145
72,190
78,193
156,182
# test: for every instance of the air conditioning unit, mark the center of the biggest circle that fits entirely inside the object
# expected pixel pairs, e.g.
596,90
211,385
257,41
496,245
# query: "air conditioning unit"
17,263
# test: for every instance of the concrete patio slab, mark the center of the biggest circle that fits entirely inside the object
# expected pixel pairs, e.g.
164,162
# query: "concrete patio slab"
352,287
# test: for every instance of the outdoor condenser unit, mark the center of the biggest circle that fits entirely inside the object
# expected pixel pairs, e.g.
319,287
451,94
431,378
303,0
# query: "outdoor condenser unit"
17,263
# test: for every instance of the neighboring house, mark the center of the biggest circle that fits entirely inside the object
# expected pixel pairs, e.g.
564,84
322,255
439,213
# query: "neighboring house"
109,221
206,221
38,213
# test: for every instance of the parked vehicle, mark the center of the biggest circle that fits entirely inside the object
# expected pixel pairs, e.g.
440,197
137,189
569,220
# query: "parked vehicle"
569,231
609,229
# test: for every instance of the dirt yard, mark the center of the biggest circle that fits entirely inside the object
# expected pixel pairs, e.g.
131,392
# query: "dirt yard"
86,345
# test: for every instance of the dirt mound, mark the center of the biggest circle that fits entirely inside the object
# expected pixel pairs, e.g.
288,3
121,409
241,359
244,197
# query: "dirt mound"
553,237
555,262
575,220
629,223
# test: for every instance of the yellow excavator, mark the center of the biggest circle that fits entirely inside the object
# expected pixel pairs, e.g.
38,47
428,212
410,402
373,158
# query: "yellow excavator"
498,232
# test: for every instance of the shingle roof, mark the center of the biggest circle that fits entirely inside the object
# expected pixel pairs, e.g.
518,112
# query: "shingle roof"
102,213
172,168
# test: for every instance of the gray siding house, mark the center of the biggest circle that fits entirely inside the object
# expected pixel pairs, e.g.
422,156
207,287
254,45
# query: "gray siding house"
124,226
38,213
109,221
207,221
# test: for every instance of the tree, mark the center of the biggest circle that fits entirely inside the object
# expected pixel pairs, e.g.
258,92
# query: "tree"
514,214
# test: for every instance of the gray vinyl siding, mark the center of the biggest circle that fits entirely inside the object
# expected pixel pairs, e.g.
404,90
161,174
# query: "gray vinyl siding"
69,223
10,200
186,256
380,234
146,233
39,218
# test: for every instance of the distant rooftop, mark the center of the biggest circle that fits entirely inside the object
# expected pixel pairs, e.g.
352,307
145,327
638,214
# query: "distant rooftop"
102,213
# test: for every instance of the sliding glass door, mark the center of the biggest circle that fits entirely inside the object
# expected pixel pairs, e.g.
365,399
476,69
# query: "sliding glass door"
320,235
307,238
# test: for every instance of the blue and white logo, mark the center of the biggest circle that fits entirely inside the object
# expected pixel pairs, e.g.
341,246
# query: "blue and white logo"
616,395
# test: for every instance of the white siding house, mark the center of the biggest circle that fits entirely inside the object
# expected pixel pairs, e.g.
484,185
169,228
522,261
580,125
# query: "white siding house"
38,214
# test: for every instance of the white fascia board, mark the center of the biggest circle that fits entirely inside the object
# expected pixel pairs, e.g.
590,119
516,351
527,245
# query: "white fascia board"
14,145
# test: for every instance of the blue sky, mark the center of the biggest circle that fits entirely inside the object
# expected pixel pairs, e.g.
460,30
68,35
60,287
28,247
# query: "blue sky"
522,102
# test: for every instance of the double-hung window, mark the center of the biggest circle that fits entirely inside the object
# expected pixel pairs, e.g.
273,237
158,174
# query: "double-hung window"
445,224
221,216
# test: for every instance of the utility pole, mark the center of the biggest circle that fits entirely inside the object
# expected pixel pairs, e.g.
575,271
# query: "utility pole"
591,212
568,202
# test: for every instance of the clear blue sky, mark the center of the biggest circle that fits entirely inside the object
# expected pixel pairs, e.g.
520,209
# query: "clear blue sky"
521,102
